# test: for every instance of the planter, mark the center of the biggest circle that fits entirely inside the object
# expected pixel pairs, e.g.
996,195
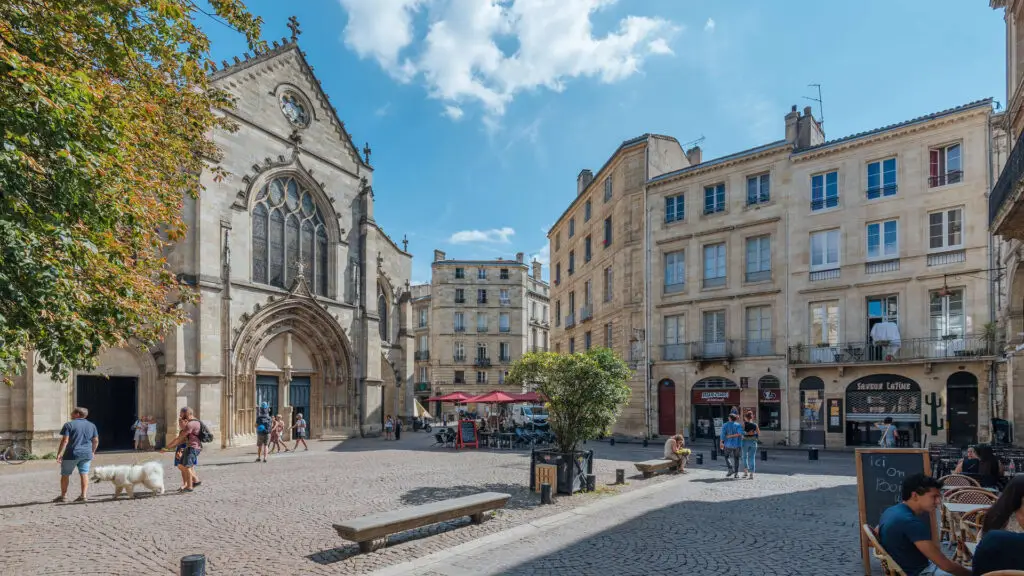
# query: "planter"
572,468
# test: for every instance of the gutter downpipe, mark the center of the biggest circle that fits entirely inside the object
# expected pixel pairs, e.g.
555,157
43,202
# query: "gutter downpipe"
647,287
993,383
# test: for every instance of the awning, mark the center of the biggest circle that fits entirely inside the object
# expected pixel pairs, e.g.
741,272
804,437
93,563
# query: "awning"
859,417
493,397
420,412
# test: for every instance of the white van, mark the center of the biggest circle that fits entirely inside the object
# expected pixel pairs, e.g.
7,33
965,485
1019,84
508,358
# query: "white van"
524,414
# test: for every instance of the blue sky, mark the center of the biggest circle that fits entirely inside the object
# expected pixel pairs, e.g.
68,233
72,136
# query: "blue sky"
480,117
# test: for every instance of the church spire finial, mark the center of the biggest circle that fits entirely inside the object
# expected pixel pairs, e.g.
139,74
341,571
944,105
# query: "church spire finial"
405,243
366,153
293,25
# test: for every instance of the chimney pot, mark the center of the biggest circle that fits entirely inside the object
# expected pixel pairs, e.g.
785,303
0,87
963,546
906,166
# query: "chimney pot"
519,257
536,270
583,180
694,155
438,255
807,110
793,109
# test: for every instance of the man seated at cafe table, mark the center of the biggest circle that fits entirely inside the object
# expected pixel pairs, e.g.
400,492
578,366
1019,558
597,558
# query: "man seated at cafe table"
905,530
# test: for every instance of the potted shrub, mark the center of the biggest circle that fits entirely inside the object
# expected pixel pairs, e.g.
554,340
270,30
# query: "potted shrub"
585,393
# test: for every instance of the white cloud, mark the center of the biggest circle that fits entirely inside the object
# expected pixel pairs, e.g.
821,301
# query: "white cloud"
543,255
460,61
383,110
495,235
453,112
709,26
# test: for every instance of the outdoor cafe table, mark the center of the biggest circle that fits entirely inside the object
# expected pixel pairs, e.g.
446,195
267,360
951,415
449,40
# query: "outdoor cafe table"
971,547
957,508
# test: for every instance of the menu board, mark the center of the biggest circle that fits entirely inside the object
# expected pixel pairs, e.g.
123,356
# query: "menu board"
467,433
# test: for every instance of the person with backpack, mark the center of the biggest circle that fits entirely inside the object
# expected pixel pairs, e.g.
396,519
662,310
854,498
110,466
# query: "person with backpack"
263,426
193,434
888,439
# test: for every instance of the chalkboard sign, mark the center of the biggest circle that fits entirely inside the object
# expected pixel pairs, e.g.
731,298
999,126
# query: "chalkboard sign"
880,474
467,433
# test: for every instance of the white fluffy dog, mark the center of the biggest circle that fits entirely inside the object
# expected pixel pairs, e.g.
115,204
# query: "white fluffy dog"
125,477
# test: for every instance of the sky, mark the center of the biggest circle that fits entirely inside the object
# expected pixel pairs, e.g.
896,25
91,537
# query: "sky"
481,113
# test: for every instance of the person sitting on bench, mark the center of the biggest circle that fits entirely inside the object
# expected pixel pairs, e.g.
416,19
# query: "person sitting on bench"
675,450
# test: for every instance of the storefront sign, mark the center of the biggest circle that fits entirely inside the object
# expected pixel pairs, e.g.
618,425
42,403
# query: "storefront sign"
884,383
729,397
879,396
770,396
835,415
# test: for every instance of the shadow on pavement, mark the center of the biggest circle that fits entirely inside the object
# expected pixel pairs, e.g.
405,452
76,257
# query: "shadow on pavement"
522,497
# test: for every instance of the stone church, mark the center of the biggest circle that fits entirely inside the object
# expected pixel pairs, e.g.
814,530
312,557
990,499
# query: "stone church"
304,299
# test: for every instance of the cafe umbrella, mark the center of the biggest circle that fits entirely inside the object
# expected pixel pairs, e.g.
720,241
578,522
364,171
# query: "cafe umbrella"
454,398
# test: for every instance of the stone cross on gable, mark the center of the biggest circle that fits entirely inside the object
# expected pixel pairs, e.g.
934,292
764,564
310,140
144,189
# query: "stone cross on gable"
293,25
366,152
405,243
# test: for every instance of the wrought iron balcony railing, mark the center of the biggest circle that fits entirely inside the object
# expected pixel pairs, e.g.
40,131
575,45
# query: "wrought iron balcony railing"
482,362
952,347
423,354
1012,174
951,177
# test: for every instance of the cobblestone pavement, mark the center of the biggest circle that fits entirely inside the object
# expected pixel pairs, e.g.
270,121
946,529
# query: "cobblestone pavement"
276,518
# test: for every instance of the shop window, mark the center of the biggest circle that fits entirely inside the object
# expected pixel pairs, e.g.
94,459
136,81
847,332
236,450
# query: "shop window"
769,403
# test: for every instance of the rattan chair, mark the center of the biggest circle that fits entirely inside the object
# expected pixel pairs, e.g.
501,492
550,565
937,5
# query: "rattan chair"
889,566
970,531
959,480
969,496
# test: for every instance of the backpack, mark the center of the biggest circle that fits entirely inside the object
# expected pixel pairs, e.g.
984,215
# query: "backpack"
263,423
205,436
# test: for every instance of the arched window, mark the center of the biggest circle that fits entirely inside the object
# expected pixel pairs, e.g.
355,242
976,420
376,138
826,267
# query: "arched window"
288,228
382,311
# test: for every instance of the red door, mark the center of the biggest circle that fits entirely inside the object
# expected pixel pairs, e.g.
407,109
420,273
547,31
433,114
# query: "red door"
667,408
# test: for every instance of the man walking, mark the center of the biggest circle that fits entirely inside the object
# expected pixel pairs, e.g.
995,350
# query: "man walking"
79,439
263,424
189,436
732,440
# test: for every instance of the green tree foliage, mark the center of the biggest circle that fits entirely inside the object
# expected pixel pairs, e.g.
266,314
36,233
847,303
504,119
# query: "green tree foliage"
105,113
586,391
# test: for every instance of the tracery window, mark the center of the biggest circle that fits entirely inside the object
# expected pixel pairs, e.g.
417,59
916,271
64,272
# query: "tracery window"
288,229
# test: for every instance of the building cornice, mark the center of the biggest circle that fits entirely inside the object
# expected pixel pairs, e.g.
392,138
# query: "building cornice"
722,163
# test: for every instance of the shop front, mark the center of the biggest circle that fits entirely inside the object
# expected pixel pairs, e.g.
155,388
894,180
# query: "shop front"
812,411
871,399
712,399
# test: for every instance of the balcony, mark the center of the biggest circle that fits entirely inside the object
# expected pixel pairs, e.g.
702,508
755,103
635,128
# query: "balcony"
674,288
951,257
422,354
818,275
505,302
759,276
586,313
459,358
570,320
755,348
460,300
951,177
824,203
882,266
675,352
504,359
716,282
954,348
881,192
1004,204
505,329
711,350
481,329
460,328
423,386
482,301
482,362
727,349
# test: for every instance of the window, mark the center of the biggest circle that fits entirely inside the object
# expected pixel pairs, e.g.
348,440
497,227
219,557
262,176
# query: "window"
423,318
481,274
572,345
769,403
675,208
586,341
944,229
714,198
460,273
460,376
503,323
607,188
481,296
460,295
424,346
944,166
572,227
503,352
503,297
714,334
481,377
586,211
824,323
947,314
675,272
759,258
460,351
382,313
558,241
503,274
608,287
288,230
481,351
758,189
714,265
533,310
558,272
423,374
759,331
608,231
572,302
572,262
882,178
825,250
608,335
558,312
882,240
481,322
586,249
674,341
502,376
825,191
459,322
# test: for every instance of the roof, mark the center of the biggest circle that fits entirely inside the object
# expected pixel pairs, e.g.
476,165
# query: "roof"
987,102
506,263
721,160
277,49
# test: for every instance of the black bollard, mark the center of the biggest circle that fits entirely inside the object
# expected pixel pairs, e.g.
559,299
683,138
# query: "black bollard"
620,476
714,454
812,453
700,457
591,482
193,565
764,455
545,493
611,441
645,442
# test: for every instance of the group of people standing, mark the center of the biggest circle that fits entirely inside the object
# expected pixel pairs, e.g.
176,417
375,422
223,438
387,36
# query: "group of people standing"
270,435
392,428
145,433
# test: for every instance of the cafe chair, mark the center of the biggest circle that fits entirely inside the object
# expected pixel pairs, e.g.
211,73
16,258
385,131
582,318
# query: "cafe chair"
438,439
959,480
889,566
970,531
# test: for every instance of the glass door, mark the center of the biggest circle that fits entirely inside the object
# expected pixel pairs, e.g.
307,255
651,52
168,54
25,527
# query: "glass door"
881,309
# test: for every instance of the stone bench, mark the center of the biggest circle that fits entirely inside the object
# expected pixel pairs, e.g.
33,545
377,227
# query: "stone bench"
368,528
650,467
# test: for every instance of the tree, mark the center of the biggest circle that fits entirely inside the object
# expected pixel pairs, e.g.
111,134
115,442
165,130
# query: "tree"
585,391
105,111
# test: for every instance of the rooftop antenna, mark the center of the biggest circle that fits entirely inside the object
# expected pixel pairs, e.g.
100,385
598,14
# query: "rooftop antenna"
694,142
821,108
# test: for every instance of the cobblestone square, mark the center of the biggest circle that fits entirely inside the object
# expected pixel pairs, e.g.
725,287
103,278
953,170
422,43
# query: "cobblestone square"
276,518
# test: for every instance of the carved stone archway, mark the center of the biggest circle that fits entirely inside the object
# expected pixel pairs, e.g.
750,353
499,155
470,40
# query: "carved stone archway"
332,402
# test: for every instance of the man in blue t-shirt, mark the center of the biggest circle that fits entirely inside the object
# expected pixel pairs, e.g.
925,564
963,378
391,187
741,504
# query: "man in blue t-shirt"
78,443
905,530
999,550
732,441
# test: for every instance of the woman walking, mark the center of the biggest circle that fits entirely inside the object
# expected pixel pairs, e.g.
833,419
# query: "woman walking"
389,425
276,434
751,432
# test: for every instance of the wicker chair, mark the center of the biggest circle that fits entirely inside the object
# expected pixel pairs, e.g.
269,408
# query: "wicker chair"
969,496
959,480
889,566
970,531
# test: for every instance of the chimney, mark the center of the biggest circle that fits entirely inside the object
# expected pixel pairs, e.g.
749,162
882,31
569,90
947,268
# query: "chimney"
438,255
792,119
583,180
519,257
536,270
693,155
809,132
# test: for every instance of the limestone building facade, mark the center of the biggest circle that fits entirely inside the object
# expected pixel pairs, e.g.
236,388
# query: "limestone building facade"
770,268
305,301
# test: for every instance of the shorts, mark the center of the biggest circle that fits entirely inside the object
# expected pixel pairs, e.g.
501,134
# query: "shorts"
68,465
300,434
191,457
262,439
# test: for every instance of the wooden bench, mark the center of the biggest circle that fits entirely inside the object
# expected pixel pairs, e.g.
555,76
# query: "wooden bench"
650,467
368,528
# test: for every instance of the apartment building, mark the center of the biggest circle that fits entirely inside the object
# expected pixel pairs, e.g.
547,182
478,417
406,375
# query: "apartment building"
822,285
474,319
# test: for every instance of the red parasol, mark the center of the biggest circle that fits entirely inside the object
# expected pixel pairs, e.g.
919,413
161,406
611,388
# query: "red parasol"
456,397
493,397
